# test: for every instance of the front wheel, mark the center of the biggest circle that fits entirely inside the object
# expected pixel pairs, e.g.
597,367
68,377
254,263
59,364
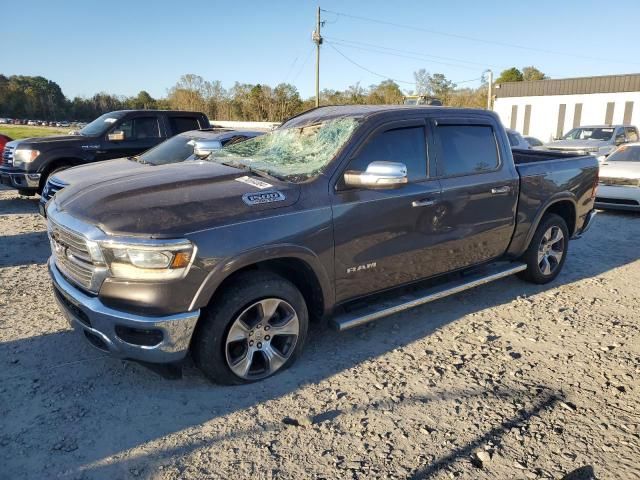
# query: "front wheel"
255,328
547,251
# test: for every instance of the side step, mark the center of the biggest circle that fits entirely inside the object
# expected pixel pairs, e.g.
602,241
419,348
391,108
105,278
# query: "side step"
424,295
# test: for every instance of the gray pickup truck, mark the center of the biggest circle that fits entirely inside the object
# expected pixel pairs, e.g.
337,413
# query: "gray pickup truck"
345,213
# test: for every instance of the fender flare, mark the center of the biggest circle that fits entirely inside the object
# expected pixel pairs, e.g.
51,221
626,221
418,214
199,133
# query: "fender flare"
229,266
557,198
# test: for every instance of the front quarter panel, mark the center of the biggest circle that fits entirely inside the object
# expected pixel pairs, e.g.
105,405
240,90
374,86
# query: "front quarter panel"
303,231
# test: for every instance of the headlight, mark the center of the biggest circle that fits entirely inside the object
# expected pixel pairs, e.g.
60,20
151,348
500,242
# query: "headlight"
22,156
148,262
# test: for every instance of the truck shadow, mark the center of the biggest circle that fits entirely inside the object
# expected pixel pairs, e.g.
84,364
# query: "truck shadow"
78,412
16,204
24,249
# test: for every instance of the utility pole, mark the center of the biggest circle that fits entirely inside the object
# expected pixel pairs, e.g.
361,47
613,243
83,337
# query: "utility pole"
317,39
490,88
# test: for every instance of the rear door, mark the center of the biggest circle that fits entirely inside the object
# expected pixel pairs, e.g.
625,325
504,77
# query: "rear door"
479,191
383,237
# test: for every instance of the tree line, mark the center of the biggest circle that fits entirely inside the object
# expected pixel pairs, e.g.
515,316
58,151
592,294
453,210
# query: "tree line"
39,98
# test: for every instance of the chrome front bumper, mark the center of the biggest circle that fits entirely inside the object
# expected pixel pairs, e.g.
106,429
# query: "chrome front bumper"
100,325
21,181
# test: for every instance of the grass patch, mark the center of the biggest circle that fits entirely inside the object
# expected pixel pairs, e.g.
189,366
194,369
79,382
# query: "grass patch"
24,131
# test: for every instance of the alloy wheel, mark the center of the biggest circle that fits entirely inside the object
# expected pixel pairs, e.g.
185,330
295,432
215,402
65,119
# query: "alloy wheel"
551,250
262,338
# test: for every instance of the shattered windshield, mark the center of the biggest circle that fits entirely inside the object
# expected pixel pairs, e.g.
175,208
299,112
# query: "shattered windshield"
294,154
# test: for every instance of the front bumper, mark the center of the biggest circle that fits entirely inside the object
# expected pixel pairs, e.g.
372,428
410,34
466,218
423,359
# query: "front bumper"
619,197
20,180
104,327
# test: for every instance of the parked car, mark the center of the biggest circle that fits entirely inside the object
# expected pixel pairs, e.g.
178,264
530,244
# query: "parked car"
597,140
195,145
3,141
230,259
517,140
534,142
620,179
29,162
5,121
32,123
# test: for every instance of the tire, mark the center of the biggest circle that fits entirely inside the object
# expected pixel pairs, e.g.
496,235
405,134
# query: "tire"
547,252
239,313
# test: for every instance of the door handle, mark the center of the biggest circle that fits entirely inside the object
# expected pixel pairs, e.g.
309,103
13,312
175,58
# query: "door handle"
499,190
423,203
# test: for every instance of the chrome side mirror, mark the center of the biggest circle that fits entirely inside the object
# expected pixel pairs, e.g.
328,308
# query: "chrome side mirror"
378,175
117,136
203,148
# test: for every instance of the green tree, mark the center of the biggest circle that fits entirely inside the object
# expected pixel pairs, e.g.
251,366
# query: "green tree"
386,92
510,75
532,73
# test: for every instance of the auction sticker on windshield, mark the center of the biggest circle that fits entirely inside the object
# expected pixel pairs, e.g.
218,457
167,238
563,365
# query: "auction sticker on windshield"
254,182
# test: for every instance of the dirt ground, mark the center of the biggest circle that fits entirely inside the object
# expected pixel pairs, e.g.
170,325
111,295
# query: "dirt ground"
509,380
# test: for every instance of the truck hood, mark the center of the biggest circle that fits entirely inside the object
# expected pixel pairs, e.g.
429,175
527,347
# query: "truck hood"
166,201
627,170
578,144
53,140
104,170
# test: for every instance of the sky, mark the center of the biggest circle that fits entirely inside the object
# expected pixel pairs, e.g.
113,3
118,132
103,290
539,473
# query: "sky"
123,47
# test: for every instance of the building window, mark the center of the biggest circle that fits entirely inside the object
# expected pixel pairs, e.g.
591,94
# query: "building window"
562,110
608,118
628,112
577,115
527,119
514,116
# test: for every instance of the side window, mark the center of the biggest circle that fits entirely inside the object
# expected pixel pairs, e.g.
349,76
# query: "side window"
140,128
183,124
404,145
620,136
465,149
632,134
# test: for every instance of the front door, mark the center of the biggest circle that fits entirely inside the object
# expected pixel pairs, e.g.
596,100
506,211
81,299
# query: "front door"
383,237
140,134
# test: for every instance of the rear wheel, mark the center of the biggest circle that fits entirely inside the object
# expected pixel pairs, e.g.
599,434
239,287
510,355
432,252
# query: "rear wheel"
254,329
547,251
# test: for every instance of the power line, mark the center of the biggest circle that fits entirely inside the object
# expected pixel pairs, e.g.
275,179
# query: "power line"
306,60
365,68
331,44
475,39
414,54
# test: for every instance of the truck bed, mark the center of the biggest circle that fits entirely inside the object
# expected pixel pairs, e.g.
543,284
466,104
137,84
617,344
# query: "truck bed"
530,156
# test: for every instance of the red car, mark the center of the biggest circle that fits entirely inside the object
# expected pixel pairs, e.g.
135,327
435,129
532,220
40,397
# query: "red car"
3,141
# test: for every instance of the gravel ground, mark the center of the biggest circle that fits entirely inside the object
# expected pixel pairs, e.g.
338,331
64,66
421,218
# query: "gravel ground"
509,380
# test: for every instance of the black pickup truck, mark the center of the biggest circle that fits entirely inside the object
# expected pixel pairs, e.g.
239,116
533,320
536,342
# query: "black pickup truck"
26,164
345,213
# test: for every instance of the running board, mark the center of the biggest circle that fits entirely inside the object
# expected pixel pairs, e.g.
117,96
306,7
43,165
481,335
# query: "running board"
418,297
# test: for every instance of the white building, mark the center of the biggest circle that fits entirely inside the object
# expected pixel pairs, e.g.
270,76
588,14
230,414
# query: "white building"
550,108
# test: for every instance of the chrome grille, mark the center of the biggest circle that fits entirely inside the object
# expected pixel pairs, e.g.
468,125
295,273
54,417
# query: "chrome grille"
7,156
51,188
72,256
620,181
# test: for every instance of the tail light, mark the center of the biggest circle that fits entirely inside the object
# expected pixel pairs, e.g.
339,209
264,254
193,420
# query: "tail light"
594,190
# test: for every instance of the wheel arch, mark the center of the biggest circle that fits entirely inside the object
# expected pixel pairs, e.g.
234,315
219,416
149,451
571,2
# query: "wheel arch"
297,264
563,205
56,162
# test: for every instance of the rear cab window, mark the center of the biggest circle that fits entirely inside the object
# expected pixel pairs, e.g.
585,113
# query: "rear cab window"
180,124
465,149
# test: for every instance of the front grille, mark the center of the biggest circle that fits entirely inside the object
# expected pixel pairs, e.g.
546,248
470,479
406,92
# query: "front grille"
7,156
619,181
51,188
72,256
